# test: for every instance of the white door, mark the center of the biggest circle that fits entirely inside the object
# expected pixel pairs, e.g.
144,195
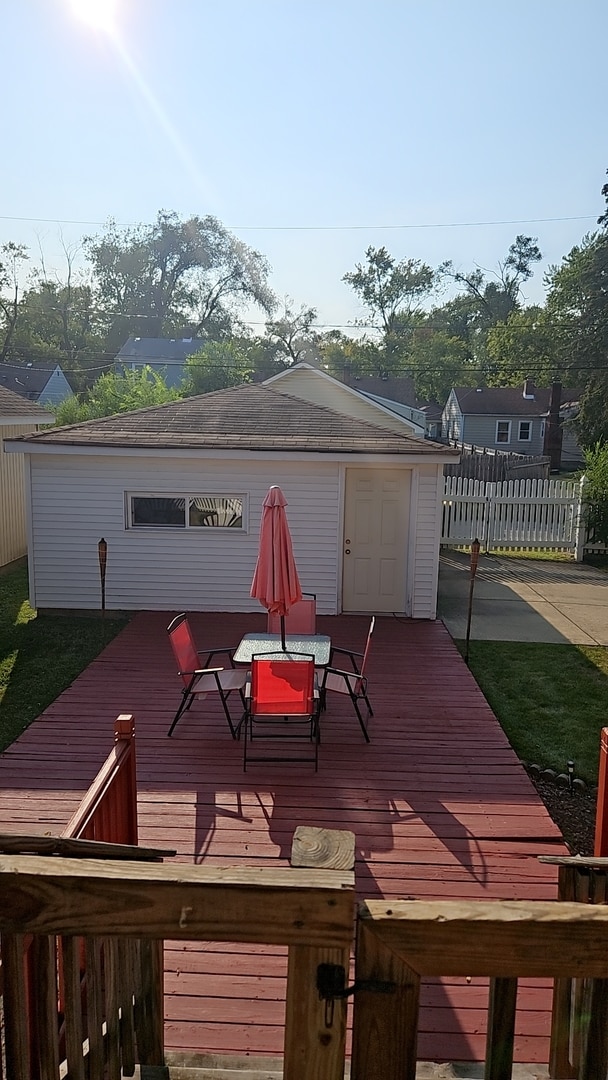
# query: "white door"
376,513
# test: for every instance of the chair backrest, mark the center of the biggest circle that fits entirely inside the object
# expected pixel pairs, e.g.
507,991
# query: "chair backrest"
282,687
184,649
300,619
368,644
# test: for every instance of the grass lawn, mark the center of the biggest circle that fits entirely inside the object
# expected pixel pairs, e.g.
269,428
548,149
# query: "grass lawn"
40,657
551,700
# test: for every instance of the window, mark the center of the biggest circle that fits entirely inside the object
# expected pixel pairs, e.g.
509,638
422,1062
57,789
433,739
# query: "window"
186,511
525,430
542,429
503,431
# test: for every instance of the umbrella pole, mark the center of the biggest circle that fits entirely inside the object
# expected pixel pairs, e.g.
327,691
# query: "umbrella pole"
283,645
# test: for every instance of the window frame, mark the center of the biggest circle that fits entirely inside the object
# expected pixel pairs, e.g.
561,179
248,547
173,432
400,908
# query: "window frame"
188,498
503,442
523,438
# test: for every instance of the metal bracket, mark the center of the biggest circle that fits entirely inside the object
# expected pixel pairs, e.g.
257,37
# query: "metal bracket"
331,983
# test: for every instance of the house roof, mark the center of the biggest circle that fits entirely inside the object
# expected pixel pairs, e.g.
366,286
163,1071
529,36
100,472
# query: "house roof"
394,387
15,405
247,417
153,350
28,380
509,400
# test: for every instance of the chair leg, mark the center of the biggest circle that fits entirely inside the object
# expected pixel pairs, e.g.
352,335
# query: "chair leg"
185,704
233,730
359,717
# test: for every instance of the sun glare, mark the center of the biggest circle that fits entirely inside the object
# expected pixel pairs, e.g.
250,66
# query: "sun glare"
100,14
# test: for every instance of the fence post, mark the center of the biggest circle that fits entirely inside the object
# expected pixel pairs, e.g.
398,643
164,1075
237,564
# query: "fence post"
601,820
579,524
315,1030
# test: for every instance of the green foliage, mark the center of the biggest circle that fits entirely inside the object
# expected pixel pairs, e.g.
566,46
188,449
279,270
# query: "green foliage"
392,291
293,331
595,495
40,657
115,393
528,343
217,365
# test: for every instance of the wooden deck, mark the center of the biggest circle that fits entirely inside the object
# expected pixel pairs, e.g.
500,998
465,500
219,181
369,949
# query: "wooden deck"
438,802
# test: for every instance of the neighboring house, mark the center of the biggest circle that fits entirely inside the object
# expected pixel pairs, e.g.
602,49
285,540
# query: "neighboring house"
17,417
313,384
433,414
45,384
509,418
177,490
167,356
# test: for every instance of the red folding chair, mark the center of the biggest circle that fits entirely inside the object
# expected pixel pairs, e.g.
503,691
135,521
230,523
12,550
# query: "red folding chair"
282,703
352,683
300,619
202,680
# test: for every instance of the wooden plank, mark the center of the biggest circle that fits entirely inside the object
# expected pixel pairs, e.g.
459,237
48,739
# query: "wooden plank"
126,957
315,1030
111,969
16,1016
500,1036
95,1005
282,907
329,849
74,1035
385,1025
515,939
46,1018
79,849
149,1015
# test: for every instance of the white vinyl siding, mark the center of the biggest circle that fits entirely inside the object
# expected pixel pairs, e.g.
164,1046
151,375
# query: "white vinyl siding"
427,534
78,500
452,420
309,386
13,541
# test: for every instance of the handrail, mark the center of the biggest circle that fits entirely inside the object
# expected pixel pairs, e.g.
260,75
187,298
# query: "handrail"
109,809
400,942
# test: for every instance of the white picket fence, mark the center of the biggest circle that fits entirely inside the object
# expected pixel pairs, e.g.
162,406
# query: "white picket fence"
514,514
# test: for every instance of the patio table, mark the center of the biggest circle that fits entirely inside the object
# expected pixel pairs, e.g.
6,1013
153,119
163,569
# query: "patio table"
317,645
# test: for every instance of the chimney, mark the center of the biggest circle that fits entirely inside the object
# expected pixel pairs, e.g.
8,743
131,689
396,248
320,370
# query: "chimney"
553,430
529,390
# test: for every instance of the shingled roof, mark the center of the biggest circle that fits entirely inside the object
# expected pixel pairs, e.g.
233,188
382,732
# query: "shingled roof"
509,400
14,405
248,417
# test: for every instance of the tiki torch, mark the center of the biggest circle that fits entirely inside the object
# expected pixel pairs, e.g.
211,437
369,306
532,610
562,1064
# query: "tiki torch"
102,551
474,561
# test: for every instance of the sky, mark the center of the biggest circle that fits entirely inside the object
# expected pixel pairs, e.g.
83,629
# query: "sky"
311,128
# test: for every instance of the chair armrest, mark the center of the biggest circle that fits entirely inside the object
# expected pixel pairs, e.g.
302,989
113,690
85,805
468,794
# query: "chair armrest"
202,671
210,653
351,653
351,677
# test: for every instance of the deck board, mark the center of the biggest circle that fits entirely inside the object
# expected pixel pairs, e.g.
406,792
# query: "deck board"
438,802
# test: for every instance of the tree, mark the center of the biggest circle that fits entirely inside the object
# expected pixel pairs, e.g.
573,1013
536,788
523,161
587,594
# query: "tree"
494,300
11,257
161,278
596,492
292,330
528,344
114,393
392,291
578,302
217,365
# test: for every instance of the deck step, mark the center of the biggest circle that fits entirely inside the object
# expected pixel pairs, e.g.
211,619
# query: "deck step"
233,1067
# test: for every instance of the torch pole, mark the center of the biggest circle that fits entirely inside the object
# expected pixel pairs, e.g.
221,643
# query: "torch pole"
474,561
102,551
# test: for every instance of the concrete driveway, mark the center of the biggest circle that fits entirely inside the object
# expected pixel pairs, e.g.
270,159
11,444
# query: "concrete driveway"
524,600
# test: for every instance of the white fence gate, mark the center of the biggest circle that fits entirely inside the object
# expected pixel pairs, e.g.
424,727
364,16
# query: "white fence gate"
514,514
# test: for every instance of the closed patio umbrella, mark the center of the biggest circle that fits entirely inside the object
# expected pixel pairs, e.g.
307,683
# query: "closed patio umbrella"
275,581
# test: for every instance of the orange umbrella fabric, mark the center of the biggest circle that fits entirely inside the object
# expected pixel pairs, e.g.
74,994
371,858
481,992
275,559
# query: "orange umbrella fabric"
275,581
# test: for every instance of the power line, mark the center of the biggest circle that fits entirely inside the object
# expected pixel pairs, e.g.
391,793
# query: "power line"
322,228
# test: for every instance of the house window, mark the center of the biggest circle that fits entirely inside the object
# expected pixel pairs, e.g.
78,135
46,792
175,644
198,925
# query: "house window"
503,431
525,430
186,511
542,429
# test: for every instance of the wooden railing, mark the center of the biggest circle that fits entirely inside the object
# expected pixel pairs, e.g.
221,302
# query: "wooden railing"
114,903
118,984
108,811
400,942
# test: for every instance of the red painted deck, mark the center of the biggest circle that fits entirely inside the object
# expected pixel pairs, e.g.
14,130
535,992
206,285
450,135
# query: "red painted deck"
438,802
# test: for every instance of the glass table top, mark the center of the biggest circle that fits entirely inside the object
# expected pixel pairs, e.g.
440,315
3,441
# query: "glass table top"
317,645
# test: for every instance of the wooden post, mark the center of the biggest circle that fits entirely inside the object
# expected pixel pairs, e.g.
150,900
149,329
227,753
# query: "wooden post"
600,847
124,731
580,526
501,1029
385,1026
315,1030
474,562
